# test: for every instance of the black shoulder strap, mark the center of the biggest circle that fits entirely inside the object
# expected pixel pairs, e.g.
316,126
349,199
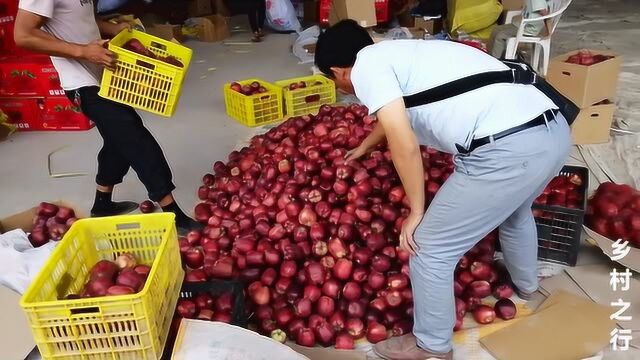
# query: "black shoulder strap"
518,73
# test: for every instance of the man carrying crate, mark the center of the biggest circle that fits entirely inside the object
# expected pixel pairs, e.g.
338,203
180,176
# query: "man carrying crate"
508,142
70,33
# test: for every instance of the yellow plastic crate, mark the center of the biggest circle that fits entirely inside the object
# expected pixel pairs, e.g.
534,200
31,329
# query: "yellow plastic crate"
303,101
113,327
142,82
254,110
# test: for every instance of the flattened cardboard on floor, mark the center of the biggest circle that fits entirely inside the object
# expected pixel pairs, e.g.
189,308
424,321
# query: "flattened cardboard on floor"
594,280
319,353
562,281
560,329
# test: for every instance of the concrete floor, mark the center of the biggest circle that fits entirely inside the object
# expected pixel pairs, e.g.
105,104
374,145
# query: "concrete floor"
199,133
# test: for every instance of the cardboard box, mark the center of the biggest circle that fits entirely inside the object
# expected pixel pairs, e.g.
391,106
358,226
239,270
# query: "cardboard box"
585,85
212,28
432,26
508,5
200,8
44,114
16,339
592,124
166,31
405,19
362,11
24,219
311,48
30,76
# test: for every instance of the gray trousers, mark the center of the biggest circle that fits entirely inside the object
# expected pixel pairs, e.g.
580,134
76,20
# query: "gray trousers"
499,36
492,187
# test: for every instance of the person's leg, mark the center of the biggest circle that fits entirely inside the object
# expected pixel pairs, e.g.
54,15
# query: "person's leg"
262,15
112,167
122,129
253,21
487,187
518,234
498,41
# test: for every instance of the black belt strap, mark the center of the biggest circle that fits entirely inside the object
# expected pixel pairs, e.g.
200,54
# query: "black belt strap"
518,73
542,119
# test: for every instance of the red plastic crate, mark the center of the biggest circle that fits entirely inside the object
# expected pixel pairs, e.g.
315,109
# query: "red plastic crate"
23,113
44,114
60,114
8,11
382,11
323,11
29,76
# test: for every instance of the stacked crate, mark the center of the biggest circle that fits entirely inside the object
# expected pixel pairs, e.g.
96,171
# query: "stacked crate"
30,92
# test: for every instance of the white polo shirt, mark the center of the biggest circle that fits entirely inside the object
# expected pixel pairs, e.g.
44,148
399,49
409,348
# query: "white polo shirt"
392,69
72,21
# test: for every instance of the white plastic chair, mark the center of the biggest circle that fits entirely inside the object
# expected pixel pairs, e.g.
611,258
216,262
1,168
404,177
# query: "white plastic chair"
557,8
510,15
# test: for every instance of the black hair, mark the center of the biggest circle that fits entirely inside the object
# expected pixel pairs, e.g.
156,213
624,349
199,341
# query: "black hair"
339,45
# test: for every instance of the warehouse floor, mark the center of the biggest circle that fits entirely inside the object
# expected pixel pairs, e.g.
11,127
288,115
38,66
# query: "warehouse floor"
197,135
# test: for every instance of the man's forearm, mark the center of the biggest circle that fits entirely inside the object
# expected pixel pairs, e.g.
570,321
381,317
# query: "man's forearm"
409,167
40,41
107,28
375,137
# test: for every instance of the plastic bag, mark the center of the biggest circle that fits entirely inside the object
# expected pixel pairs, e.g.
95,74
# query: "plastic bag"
206,340
281,16
307,37
472,15
19,261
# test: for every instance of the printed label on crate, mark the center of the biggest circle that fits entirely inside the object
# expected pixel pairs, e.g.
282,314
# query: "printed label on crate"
31,76
23,113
